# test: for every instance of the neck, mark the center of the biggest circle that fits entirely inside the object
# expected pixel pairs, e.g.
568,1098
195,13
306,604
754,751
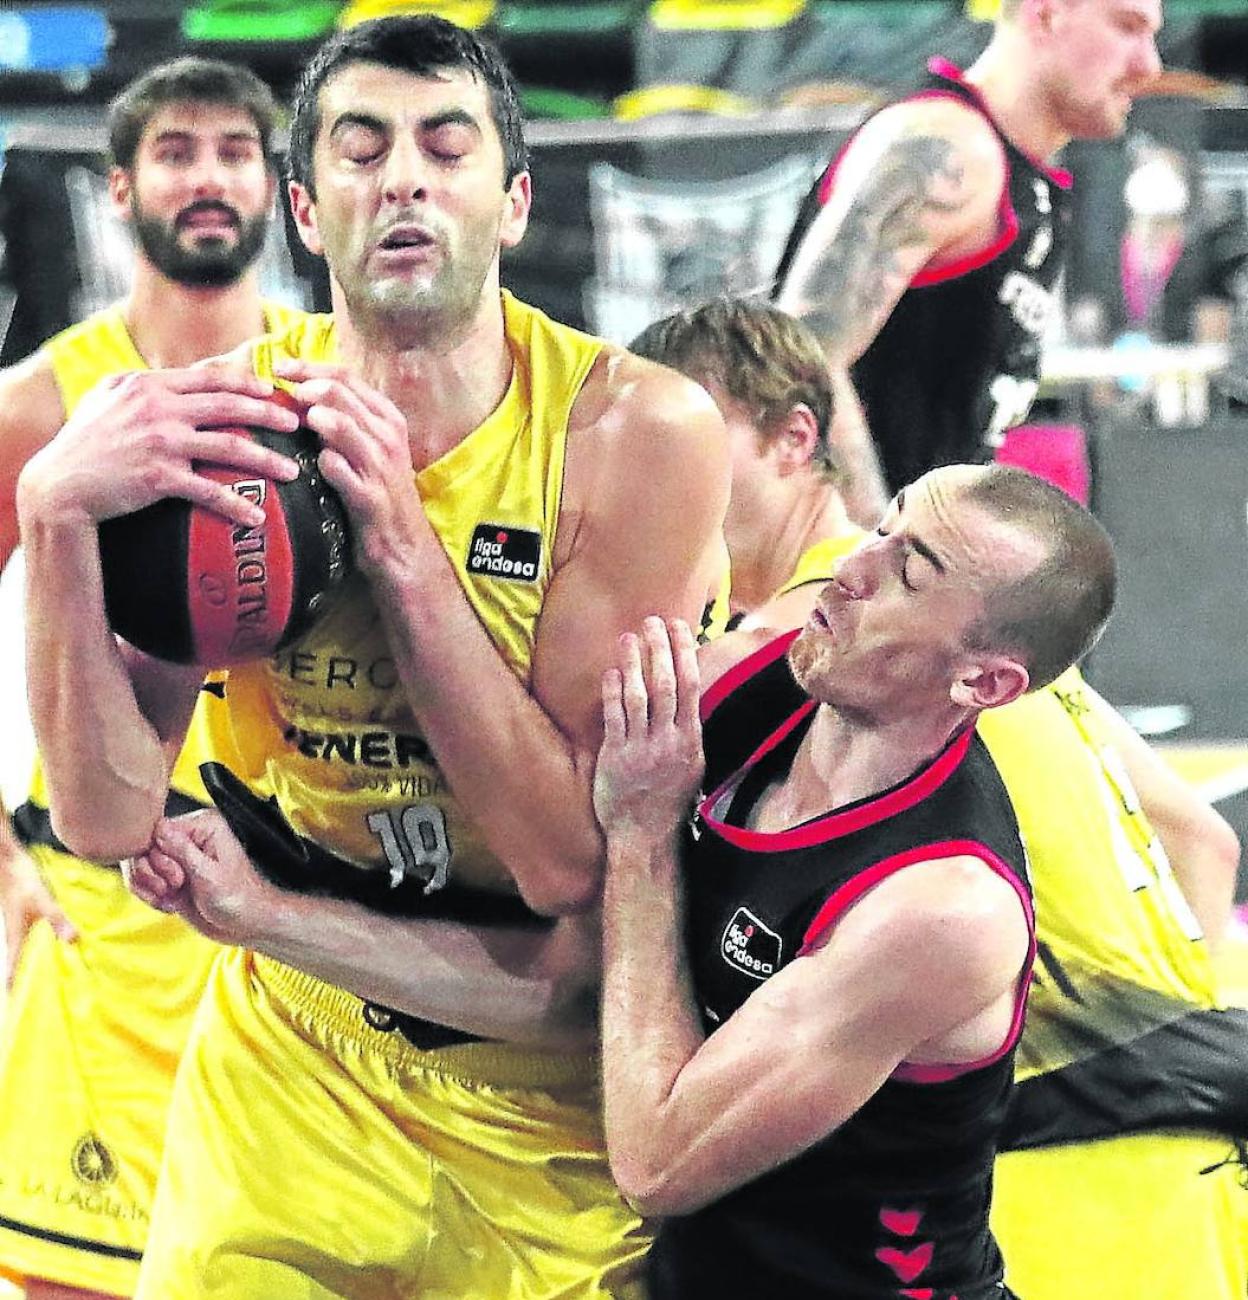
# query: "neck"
853,758
1003,76
444,388
174,324
766,547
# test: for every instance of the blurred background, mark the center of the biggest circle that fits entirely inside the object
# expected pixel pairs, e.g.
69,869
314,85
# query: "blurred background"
672,141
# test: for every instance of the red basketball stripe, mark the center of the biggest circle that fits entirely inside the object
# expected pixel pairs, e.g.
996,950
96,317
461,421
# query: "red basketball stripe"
239,579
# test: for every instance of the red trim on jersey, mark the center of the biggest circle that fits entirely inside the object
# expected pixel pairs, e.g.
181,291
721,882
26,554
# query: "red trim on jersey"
1006,214
714,695
941,67
835,824
842,899
1007,220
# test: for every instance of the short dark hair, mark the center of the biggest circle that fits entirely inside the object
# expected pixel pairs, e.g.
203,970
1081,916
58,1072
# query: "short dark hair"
759,355
1054,615
182,81
419,44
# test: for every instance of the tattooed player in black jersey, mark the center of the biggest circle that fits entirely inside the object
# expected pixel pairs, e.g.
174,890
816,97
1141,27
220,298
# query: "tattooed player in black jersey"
926,255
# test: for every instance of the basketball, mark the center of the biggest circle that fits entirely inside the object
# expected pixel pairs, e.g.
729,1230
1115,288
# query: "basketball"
186,585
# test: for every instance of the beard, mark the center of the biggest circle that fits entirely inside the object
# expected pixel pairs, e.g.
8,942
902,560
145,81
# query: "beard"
204,263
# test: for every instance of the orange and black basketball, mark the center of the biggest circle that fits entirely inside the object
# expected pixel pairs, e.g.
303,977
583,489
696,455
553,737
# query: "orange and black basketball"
186,585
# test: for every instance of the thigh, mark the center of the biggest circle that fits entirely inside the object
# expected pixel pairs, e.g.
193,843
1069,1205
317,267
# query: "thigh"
303,1162
89,1044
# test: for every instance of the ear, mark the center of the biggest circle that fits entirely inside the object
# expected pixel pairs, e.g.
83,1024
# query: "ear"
303,209
988,682
120,190
516,205
795,440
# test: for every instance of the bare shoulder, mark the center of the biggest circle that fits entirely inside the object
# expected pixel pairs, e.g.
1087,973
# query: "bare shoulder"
31,408
948,919
940,126
645,445
645,406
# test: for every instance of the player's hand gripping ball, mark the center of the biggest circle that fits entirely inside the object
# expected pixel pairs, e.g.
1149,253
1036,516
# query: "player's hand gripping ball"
186,585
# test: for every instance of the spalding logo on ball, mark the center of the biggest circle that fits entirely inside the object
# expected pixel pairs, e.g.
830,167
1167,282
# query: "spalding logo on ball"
189,586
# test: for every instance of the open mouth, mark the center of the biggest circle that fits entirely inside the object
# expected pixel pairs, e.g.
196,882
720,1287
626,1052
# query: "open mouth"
208,220
405,239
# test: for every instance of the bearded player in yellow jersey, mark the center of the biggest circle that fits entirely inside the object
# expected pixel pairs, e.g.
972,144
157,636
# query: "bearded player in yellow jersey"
104,988
1101,1195
520,494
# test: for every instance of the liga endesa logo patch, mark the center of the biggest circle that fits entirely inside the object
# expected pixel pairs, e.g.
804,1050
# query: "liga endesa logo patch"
500,551
750,946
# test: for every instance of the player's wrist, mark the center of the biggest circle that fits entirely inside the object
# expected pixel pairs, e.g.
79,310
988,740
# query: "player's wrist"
47,504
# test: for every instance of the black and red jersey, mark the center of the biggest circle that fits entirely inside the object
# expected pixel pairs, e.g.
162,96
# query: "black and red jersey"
895,1202
957,363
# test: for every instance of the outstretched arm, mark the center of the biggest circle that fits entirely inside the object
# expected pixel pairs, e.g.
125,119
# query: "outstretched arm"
536,986
918,186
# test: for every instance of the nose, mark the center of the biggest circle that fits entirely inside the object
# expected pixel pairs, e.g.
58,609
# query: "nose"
854,574
208,177
403,178
1148,63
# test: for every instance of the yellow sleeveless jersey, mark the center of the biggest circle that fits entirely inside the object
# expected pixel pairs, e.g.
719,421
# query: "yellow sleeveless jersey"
325,725
80,357
817,562
1124,988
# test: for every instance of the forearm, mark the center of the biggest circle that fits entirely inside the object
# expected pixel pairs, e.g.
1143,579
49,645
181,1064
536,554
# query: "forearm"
523,781
650,1024
105,768
537,987
1205,859
865,492
1202,849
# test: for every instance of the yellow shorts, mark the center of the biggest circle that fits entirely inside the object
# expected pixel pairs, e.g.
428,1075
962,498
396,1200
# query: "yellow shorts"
88,1049
1129,1218
310,1156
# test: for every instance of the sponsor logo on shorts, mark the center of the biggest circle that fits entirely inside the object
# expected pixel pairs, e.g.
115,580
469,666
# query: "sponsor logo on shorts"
749,946
500,551
92,1162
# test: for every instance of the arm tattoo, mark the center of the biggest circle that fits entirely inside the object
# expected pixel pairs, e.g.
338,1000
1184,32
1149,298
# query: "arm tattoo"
849,289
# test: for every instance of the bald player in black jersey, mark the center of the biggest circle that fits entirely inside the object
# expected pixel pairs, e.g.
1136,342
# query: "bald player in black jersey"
813,993
925,257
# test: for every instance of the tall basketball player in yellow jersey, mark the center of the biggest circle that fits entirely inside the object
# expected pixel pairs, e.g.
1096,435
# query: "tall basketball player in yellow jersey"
1119,1174
104,988
520,495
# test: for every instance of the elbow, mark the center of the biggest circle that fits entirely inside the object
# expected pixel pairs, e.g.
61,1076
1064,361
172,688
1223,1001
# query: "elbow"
103,840
561,896
653,1190
570,888
1225,846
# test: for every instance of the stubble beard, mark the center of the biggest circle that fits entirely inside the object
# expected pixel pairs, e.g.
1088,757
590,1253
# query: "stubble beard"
433,316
